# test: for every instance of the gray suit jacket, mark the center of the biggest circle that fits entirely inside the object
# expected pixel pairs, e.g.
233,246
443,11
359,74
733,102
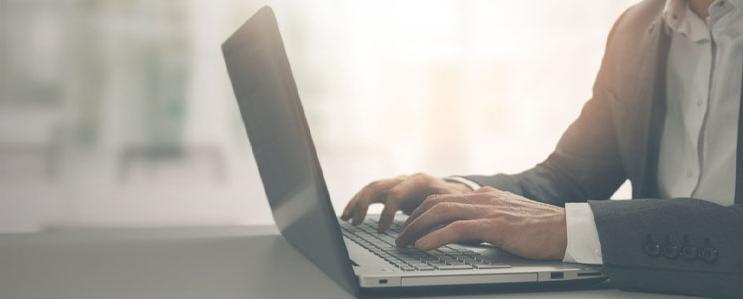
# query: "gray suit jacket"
685,245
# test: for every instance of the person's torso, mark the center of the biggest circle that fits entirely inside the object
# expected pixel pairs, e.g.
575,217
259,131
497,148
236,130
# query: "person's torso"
698,146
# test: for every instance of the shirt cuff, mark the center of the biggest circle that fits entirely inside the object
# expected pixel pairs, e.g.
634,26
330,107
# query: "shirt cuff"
583,246
458,179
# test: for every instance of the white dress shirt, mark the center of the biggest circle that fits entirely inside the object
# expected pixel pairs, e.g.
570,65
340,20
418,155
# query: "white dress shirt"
699,139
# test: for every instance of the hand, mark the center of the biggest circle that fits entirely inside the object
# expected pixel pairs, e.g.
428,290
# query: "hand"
401,193
516,224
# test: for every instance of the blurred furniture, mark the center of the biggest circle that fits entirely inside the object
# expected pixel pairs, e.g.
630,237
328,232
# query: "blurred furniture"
183,263
153,159
30,143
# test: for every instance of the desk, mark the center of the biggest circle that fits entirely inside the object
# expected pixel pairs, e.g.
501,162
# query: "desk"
182,263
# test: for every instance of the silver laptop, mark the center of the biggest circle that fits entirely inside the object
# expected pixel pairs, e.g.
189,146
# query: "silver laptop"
356,257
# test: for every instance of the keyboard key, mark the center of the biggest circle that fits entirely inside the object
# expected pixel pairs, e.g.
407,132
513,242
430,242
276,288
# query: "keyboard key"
436,262
406,268
410,259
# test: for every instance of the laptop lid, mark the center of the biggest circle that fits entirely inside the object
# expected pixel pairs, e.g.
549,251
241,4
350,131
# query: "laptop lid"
280,138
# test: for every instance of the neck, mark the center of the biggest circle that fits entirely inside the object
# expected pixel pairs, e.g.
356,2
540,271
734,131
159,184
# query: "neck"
700,7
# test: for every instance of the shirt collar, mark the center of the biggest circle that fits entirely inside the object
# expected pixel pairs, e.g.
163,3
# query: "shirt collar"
680,18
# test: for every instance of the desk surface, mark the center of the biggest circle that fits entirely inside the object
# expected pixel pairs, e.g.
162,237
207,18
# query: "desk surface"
214,263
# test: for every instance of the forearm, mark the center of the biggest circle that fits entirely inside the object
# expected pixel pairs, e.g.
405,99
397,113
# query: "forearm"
557,181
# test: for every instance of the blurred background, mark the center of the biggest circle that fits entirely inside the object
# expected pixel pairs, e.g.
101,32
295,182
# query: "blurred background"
119,113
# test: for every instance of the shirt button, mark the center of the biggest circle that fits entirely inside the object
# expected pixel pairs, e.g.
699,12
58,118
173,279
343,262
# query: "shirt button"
700,102
689,172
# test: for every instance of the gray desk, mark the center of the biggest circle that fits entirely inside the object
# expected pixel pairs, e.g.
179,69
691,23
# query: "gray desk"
213,263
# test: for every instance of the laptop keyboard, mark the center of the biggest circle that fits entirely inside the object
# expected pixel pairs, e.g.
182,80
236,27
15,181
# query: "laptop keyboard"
409,259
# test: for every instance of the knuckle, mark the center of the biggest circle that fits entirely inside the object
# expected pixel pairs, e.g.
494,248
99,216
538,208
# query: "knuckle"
421,177
393,195
432,199
467,198
442,208
363,202
374,185
441,197
478,199
359,200
371,184
458,226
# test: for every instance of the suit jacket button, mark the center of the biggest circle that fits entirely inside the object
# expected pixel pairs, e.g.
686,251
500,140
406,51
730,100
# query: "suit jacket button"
650,247
709,254
689,252
671,251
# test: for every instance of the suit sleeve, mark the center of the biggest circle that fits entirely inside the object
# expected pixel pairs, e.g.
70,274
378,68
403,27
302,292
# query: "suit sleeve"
679,245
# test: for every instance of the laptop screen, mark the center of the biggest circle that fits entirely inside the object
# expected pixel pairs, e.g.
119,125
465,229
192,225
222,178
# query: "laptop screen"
282,146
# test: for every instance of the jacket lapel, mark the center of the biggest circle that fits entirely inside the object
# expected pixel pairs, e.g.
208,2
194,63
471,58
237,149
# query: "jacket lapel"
648,119
739,158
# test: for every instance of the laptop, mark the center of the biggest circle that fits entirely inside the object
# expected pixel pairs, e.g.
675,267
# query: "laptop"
357,257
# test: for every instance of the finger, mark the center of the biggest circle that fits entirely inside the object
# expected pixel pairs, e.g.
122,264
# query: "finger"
454,232
407,189
428,203
362,205
350,206
372,193
431,201
440,214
